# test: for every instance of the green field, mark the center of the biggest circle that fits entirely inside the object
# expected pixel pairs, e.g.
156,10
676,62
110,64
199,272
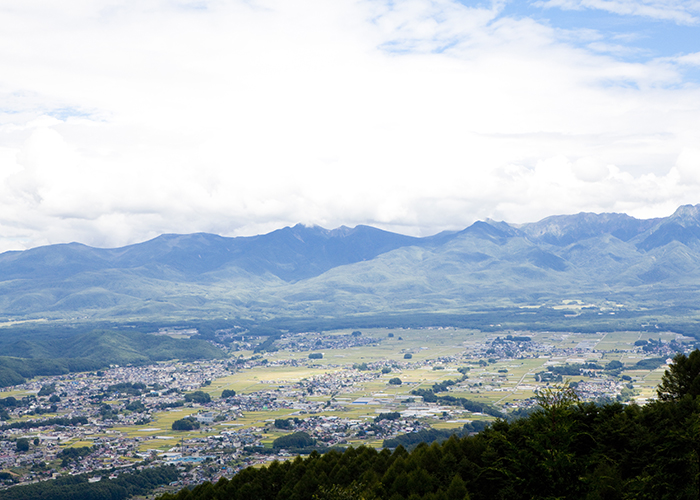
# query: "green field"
436,356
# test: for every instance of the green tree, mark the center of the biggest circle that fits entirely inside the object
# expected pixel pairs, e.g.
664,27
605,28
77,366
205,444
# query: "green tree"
295,440
47,389
200,397
185,424
23,444
457,490
681,378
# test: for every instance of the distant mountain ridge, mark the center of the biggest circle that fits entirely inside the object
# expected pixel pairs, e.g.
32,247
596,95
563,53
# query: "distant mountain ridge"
304,270
291,253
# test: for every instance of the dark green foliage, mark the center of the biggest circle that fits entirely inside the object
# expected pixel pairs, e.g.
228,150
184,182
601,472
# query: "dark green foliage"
132,389
292,441
395,381
267,346
200,397
564,450
287,423
408,355
427,394
442,386
174,404
68,455
413,439
516,338
682,377
107,411
15,371
474,406
46,390
9,402
394,415
356,333
135,406
22,444
126,485
614,365
74,453
185,424
649,364
566,369
476,426
228,393
316,355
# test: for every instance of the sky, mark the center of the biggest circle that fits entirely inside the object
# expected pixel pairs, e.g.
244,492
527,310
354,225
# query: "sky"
124,119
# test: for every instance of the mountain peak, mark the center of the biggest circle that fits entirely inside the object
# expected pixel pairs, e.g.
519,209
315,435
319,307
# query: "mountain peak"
686,215
562,230
683,226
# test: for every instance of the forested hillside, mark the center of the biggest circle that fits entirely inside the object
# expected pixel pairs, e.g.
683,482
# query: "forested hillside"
23,359
566,449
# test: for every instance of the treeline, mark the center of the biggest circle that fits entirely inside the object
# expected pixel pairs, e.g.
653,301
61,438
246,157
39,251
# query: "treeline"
428,436
501,319
32,424
126,485
468,404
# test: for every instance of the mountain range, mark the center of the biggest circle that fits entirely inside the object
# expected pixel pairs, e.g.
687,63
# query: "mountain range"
603,260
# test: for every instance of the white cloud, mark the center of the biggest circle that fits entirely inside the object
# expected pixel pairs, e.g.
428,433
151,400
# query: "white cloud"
123,120
679,11
590,170
687,166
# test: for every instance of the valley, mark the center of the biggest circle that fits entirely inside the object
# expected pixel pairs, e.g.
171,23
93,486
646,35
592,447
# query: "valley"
189,358
343,388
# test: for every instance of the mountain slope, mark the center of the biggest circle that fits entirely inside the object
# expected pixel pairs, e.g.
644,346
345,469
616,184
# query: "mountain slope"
302,271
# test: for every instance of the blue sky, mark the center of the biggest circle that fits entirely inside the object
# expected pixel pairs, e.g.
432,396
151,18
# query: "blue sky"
642,37
122,120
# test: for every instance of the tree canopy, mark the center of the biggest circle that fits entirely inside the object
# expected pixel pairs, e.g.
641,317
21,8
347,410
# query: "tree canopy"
682,377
